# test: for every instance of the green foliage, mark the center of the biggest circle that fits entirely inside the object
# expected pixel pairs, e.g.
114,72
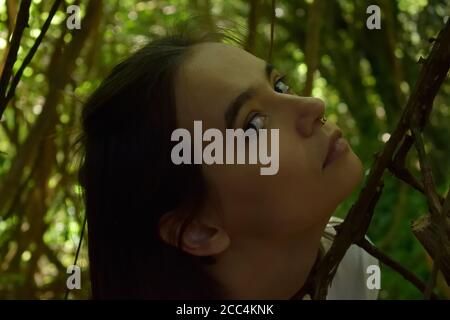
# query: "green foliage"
364,76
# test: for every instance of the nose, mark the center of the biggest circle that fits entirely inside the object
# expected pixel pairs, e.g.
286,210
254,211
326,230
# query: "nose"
310,111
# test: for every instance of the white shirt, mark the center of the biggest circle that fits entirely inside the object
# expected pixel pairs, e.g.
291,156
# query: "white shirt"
350,280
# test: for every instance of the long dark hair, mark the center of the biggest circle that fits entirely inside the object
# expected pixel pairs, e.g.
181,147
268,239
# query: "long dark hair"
129,181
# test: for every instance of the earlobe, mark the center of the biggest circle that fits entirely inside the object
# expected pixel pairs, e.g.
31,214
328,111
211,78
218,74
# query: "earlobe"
202,240
198,239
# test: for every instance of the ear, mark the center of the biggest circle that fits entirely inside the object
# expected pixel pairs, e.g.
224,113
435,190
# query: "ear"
200,238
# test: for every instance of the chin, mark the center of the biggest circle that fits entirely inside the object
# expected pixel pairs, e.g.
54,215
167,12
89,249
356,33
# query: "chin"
350,174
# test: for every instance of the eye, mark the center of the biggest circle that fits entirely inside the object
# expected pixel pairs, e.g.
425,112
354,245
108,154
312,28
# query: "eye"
257,121
281,87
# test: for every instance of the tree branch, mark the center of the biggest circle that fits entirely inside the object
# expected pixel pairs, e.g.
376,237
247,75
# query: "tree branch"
436,212
354,227
47,118
27,60
21,24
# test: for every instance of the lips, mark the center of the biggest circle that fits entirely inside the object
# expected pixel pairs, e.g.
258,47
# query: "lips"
331,152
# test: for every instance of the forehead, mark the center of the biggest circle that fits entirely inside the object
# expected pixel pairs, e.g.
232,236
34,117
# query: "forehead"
212,76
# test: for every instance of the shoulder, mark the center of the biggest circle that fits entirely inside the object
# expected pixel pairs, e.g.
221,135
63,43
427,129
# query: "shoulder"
350,281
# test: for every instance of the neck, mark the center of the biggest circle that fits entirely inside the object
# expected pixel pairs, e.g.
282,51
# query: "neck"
258,269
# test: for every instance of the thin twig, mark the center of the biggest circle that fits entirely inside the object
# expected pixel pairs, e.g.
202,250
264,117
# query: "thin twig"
78,252
29,56
398,168
406,176
394,265
21,24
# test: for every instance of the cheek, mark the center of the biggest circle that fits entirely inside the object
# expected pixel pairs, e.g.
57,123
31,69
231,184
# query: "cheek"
251,202
235,188
256,206
294,199
298,196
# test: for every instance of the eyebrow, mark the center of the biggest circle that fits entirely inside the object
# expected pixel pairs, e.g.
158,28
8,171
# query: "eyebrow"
235,106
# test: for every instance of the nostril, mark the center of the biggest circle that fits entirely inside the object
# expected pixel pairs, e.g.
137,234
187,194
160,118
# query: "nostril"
305,126
310,117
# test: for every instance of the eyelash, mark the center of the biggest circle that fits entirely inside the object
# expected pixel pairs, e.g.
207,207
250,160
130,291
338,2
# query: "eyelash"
282,79
252,117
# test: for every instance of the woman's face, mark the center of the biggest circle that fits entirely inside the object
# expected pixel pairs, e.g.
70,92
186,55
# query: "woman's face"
303,193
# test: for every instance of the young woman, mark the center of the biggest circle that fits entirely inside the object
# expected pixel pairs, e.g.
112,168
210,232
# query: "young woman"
158,230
